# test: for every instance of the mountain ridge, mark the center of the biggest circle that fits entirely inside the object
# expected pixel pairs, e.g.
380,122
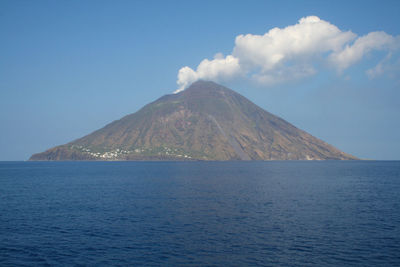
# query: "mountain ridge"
207,121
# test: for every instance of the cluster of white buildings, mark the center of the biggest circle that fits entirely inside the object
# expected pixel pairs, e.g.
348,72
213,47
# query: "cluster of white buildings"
117,153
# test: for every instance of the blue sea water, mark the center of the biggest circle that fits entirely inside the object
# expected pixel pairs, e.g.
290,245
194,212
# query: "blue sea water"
333,213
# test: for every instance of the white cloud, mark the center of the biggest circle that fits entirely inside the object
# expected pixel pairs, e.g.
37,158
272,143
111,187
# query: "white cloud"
218,68
389,66
351,54
310,37
290,53
379,69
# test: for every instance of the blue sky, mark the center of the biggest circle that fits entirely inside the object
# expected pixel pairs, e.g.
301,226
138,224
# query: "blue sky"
68,68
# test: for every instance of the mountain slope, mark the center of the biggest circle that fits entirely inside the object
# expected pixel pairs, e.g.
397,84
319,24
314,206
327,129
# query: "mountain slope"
205,122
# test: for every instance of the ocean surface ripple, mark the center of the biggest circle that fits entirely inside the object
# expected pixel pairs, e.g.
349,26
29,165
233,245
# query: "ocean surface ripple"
331,213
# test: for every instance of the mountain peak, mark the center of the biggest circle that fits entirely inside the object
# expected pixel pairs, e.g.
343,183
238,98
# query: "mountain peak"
207,121
203,84
207,86
207,91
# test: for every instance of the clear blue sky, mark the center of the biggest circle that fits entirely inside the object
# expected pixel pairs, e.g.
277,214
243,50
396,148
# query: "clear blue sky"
68,68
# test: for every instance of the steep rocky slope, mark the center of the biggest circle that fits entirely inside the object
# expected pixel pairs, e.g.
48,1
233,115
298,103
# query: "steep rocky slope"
205,122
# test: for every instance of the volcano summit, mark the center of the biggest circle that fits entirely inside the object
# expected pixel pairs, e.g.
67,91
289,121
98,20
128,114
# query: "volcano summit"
205,122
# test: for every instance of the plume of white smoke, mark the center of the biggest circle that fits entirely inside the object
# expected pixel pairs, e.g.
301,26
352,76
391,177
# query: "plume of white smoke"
219,68
284,54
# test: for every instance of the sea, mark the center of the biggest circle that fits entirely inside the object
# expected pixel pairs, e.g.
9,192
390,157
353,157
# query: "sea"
277,213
